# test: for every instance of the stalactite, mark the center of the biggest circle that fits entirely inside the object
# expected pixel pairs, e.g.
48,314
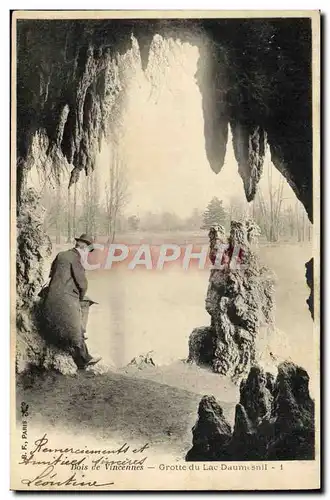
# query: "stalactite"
212,78
249,148
254,69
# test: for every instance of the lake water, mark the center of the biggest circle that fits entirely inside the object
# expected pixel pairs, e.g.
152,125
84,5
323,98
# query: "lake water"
155,310
141,310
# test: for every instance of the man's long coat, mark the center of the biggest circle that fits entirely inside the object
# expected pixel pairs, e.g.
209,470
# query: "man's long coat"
61,310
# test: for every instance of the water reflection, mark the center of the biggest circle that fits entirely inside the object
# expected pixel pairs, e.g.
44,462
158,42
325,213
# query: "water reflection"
140,311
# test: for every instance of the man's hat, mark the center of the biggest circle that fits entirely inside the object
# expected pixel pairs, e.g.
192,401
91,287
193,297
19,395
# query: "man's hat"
87,299
85,238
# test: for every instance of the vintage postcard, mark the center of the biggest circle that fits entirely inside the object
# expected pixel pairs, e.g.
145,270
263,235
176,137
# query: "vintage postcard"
165,250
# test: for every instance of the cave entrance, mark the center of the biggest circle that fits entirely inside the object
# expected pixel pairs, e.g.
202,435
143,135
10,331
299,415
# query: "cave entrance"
152,183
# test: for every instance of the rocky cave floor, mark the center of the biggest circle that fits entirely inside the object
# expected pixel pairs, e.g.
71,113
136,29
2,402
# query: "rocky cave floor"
182,410
156,404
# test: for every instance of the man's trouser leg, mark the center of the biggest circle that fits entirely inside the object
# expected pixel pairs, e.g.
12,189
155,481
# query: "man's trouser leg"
80,354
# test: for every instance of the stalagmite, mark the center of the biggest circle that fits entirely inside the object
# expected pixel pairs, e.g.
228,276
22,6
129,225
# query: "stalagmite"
239,301
272,422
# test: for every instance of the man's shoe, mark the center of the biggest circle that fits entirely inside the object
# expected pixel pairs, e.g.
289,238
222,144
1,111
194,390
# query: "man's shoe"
93,361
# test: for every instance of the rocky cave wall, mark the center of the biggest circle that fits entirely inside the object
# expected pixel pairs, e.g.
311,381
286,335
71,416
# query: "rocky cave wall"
253,75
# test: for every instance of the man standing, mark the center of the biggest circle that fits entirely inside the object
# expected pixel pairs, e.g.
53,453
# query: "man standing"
61,308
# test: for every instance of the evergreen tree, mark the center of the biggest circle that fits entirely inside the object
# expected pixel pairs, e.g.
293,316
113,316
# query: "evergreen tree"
214,214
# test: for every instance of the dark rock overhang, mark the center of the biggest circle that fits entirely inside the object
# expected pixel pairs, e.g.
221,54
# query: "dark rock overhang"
254,75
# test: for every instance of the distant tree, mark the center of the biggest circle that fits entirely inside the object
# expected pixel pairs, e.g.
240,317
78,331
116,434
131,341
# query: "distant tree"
53,199
170,221
303,225
215,214
90,204
116,192
163,221
194,221
268,208
133,222
237,209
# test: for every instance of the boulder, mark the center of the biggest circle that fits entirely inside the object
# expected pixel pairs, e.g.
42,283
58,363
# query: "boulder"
211,433
142,361
274,420
201,346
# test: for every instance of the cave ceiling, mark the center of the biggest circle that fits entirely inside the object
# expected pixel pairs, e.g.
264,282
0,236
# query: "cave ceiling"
258,82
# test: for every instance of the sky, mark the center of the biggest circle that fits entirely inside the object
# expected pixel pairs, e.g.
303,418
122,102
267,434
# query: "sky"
163,139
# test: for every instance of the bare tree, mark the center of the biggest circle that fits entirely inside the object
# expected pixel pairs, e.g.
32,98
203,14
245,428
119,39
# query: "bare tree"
58,218
237,209
69,221
74,210
55,205
90,204
116,192
267,209
303,225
